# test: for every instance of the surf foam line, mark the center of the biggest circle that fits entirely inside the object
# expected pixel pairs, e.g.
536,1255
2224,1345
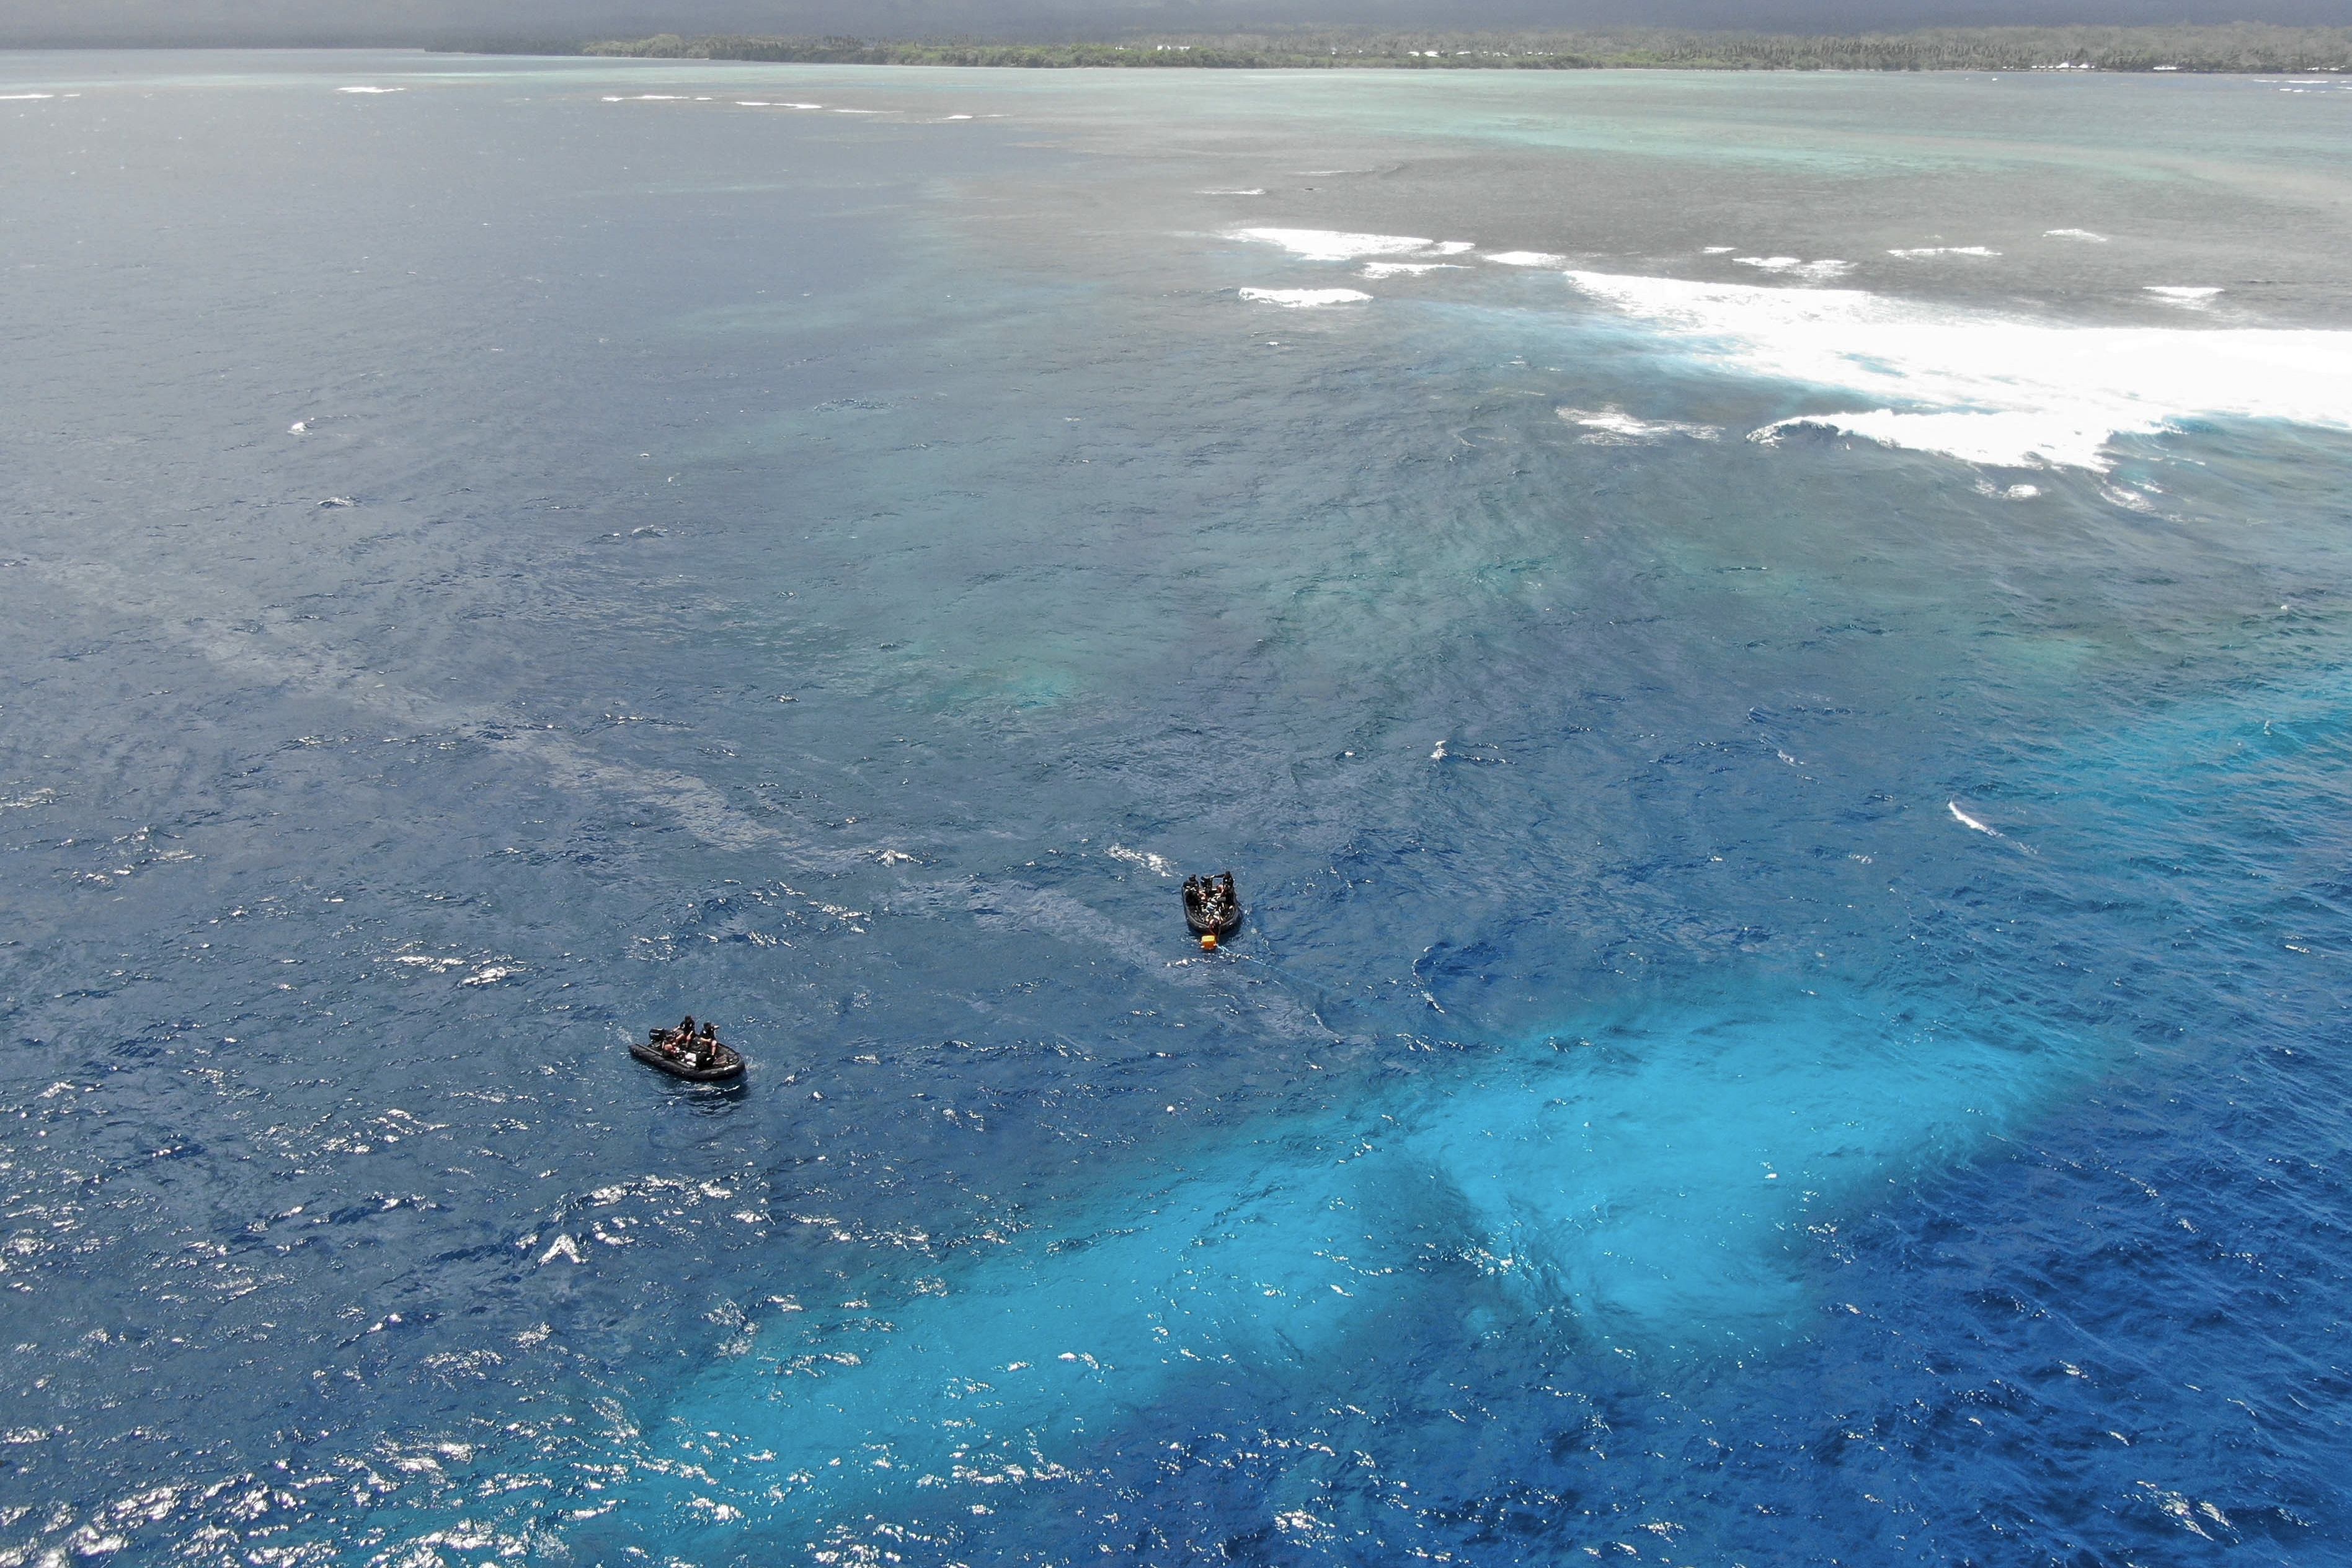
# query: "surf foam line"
245,636
1987,388
1649,1186
259,644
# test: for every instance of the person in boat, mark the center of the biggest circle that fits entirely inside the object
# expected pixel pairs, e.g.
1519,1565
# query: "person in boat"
679,1038
706,1046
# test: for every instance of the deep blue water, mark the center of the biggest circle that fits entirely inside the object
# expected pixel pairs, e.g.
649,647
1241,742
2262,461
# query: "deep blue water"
1784,743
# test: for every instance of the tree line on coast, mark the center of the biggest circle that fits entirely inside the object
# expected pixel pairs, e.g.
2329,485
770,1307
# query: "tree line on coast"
2236,48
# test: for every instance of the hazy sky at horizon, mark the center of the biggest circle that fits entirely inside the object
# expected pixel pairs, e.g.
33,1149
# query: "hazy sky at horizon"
41,22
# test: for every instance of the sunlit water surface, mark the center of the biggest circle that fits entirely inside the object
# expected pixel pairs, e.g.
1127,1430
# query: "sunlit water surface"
1768,653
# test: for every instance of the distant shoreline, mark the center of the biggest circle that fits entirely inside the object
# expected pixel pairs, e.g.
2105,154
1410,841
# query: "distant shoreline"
2237,48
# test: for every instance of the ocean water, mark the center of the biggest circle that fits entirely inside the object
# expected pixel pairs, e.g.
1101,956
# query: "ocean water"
1770,654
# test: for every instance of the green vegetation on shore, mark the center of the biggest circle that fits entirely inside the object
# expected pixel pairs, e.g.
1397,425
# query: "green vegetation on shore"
2240,46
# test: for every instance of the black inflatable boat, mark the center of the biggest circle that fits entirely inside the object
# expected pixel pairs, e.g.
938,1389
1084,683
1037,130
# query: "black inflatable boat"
1211,908
725,1063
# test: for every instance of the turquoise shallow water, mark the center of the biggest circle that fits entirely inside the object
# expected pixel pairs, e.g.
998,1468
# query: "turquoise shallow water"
1767,653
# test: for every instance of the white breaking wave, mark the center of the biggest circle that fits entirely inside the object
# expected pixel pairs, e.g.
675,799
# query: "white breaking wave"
1615,427
1967,821
1251,192
1797,266
371,89
1926,250
1985,387
1406,268
23,97
2173,294
1528,258
1305,299
1331,244
2074,233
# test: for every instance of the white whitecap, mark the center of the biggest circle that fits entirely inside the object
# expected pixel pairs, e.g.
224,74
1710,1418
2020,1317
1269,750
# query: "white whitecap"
2084,235
371,89
2175,294
1796,267
1718,250
1454,246
1259,192
1921,252
1332,244
1303,298
1526,258
1967,821
1614,426
752,103
801,105
23,97
1983,386
1406,268
958,116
